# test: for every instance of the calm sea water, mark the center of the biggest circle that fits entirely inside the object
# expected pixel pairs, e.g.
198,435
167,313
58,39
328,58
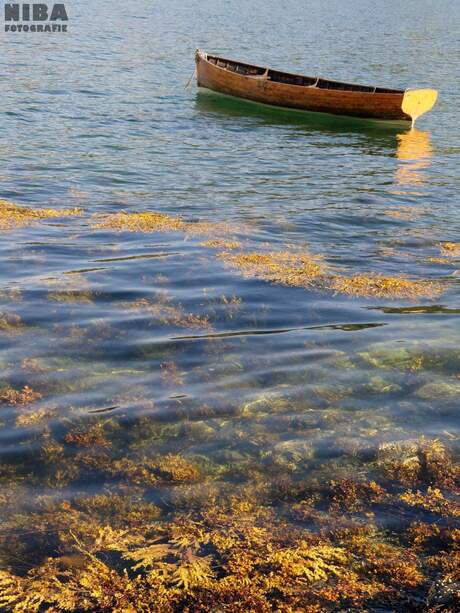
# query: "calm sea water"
100,119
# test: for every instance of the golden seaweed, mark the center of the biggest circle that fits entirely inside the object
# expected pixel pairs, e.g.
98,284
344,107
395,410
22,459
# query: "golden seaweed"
16,216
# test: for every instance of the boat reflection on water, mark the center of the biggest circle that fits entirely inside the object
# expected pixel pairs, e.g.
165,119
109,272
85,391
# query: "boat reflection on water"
414,152
413,147
227,107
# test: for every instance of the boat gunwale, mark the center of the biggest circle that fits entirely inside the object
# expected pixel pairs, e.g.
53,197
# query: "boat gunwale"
390,92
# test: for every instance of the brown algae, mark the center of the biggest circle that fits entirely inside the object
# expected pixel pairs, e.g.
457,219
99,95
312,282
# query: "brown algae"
381,286
287,268
139,222
267,546
284,267
304,270
273,526
221,244
16,216
165,312
158,222
449,249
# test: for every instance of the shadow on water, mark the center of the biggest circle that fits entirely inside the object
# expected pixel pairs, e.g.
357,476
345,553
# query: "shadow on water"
210,102
435,309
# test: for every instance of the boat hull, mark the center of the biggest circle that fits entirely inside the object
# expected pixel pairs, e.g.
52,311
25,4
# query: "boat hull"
303,112
259,86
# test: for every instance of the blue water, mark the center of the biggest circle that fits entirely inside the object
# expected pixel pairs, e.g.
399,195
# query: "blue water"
100,118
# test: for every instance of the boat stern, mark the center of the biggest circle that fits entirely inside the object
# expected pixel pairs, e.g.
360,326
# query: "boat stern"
416,102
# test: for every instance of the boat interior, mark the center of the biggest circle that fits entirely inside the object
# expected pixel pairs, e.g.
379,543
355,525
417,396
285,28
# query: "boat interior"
249,70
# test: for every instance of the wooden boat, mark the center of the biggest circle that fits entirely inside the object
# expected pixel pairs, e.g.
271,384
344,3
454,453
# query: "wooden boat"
293,91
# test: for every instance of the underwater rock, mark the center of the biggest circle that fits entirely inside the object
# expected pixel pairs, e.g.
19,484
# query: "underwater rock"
357,446
423,460
230,456
290,454
444,595
387,355
438,467
378,385
330,394
439,390
11,323
400,460
196,431
264,404
340,360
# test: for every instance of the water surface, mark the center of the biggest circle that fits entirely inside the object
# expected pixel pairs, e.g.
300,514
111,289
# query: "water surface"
137,345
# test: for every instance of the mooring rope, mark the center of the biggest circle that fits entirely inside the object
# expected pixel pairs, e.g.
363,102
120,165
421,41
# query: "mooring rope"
191,78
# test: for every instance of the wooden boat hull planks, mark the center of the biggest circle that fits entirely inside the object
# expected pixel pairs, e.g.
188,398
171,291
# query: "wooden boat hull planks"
304,93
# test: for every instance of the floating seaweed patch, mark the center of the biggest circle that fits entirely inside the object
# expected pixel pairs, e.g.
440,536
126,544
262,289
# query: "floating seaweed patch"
304,270
71,296
381,286
221,244
285,267
449,252
231,304
15,216
139,222
449,249
159,222
404,213
297,269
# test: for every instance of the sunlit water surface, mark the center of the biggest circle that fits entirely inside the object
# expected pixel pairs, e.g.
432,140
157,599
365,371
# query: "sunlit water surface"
265,379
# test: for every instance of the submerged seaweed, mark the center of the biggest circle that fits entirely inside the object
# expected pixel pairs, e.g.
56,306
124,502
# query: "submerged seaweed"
265,528
131,491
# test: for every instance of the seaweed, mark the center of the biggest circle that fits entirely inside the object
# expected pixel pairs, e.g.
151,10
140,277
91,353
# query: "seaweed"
299,493
159,222
16,216
21,397
381,286
304,270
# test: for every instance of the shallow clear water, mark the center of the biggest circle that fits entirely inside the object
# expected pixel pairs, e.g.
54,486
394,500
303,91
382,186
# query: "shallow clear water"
100,119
